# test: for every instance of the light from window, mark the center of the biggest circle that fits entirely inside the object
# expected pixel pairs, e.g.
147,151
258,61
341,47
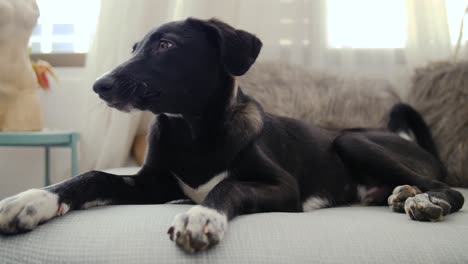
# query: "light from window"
455,12
366,24
64,26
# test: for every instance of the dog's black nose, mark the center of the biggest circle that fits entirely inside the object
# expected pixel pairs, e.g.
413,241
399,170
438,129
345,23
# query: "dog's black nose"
104,85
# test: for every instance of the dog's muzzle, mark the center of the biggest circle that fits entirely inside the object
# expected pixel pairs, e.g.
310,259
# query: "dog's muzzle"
104,86
124,92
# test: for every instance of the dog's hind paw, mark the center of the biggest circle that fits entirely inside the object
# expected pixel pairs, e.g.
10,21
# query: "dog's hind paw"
198,228
24,211
400,194
424,207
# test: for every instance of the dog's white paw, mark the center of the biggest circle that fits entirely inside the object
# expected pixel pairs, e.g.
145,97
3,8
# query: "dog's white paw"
400,194
24,211
424,207
198,228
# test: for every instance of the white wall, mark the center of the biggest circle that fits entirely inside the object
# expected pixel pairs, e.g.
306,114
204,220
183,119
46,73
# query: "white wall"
23,168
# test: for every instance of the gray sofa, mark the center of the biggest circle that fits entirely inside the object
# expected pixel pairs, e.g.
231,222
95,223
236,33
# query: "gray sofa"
137,234
357,234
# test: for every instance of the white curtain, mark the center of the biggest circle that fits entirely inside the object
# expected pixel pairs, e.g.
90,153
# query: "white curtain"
298,32
107,134
374,38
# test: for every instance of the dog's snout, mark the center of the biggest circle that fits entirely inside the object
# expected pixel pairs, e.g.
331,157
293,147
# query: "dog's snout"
104,85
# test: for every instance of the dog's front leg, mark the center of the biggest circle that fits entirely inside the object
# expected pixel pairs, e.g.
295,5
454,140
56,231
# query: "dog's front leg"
204,225
24,211
270,189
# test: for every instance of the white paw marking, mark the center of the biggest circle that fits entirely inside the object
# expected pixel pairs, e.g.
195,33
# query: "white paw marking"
424,207
365,194
314,203
198,194
405,135
397,189
198,228
95,203
24,211
396,201
361,192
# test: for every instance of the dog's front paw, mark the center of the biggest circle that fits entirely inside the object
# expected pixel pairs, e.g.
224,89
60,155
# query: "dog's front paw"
198,228
400,194
424,207
24,211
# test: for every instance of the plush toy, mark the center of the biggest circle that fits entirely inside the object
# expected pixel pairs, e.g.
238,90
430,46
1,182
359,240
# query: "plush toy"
19,100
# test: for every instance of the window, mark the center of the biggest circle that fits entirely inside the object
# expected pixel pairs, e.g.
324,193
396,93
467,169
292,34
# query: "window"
349,27
366,24
455,12
65,27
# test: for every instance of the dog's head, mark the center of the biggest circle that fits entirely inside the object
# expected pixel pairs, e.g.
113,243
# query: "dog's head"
178,67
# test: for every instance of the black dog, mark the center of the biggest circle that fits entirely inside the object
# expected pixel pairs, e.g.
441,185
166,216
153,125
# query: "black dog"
215,145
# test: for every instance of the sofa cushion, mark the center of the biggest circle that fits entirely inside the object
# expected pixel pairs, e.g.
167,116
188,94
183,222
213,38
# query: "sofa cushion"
137,234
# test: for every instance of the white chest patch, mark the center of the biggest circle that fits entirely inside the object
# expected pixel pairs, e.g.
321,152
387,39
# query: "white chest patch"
314,203
198,194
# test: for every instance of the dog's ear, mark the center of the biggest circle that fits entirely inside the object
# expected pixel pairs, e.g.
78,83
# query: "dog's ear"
239,49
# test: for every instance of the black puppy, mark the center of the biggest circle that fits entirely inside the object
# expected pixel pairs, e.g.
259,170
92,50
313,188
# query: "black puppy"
215,145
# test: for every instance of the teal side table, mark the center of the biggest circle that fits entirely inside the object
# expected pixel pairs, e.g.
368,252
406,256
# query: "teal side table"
46,139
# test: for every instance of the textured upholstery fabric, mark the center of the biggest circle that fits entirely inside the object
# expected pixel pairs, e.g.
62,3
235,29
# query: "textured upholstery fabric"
137,234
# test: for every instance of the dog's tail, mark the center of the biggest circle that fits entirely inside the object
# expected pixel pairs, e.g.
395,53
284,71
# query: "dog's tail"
410,125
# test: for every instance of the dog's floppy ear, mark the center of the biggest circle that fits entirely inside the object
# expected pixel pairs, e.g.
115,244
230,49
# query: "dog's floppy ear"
239,49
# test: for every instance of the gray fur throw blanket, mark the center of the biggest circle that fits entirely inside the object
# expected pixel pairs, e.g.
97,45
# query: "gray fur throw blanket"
440,93
320,98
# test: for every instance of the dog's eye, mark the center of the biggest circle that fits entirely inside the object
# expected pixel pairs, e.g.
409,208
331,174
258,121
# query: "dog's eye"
164,44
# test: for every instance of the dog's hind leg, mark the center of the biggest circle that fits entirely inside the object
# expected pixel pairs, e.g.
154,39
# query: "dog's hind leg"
382,157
